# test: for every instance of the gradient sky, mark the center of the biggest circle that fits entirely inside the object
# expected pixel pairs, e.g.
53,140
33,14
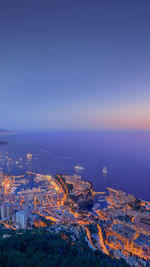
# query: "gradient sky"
75,64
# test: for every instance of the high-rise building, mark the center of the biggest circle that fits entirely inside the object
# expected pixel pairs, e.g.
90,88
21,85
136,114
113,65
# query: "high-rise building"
21,218
1,177
4,210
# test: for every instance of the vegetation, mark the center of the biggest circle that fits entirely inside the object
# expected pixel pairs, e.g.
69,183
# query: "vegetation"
41,248
93,228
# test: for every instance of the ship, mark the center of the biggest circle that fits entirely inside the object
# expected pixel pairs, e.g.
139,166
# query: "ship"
79,167
104,170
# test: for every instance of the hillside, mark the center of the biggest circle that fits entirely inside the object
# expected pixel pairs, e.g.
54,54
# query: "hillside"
41,248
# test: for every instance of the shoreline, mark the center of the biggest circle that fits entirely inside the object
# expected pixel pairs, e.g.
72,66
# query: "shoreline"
2,143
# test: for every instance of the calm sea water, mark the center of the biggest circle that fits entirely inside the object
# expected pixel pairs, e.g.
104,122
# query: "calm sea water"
126,156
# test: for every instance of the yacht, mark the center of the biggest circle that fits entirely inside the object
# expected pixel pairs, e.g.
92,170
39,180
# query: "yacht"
104,170
78,167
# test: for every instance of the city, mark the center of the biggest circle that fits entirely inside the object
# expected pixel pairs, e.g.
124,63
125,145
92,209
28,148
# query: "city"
113,222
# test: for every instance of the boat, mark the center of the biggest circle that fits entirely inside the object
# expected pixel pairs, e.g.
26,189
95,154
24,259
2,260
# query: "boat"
78,167
104,171
29,156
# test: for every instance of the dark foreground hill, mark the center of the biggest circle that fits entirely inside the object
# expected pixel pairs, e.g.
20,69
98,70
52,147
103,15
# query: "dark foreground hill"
45,249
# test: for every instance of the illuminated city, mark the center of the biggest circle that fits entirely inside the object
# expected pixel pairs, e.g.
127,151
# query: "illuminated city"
113,222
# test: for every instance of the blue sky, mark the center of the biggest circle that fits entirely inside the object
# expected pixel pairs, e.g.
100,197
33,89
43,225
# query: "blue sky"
75,65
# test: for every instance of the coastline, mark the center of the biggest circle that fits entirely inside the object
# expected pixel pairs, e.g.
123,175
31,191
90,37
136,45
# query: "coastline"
3,143
3,132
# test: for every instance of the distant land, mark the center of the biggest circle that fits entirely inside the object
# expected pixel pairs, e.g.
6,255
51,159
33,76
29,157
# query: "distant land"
2,132
3,143
6,131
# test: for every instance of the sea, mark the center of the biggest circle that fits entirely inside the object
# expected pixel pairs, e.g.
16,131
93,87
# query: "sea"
125,155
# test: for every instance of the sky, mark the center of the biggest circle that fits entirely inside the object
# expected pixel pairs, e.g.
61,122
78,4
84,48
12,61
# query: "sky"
75,65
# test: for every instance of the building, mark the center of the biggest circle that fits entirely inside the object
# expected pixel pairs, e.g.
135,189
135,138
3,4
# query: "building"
21,218
4,212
